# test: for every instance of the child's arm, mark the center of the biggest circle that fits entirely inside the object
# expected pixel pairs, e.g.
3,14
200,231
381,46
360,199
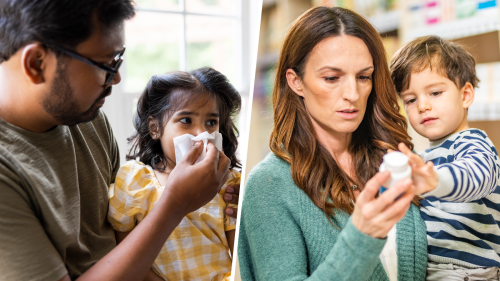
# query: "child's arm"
230,240
423,175
474,173
233,182
120,236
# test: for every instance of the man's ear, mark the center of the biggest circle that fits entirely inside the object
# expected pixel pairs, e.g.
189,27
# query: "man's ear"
34,62
294,82
154,129
468,95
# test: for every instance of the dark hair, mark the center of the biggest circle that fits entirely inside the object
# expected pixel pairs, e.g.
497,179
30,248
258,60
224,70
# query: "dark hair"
62,22
158,101
450,59
293,138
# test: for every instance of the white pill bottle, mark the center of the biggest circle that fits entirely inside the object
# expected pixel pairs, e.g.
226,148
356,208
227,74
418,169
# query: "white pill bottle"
397,163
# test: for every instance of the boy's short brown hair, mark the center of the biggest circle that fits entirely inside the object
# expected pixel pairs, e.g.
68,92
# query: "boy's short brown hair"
449,59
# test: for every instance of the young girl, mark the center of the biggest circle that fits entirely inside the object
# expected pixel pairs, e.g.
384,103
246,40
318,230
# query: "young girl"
172,105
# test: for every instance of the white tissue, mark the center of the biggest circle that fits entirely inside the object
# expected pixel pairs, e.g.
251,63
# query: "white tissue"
185,142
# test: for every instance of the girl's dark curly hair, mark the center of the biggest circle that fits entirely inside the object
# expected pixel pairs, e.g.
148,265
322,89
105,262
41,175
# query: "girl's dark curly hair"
158,101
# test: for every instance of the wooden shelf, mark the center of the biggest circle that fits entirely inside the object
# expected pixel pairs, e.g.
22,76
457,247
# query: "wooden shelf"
484,22
386,22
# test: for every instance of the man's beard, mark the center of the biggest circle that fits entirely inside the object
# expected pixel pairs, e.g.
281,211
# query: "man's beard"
61,104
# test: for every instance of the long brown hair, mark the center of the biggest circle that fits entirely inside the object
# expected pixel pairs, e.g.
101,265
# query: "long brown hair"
293,138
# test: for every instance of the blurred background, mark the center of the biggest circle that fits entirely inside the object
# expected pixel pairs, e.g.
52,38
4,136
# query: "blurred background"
474,23
167,35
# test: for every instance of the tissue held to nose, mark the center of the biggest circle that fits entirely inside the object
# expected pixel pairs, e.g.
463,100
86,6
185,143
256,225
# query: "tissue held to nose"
183,143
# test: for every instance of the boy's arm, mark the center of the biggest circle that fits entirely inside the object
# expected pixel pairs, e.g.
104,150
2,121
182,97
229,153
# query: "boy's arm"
474,173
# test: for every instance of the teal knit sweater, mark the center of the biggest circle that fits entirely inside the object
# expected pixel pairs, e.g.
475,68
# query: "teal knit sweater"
284,236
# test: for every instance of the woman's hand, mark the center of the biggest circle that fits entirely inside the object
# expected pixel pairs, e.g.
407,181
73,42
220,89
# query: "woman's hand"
376,216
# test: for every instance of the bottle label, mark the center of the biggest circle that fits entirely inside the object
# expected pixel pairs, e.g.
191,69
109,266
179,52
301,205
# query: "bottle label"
381,190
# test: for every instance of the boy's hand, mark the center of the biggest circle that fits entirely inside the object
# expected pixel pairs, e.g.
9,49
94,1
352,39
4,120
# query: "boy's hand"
423,175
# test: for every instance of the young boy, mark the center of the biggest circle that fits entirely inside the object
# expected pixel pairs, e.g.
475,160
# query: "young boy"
459,183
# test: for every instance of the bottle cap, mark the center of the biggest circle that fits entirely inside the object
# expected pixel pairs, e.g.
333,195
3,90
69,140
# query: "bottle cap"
396,161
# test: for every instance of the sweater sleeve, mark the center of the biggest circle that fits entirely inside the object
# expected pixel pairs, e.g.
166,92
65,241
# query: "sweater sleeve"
473,174
272,245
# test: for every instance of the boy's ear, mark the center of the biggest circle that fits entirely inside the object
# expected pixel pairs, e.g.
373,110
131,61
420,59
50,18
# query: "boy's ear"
154,129
468,95
294,82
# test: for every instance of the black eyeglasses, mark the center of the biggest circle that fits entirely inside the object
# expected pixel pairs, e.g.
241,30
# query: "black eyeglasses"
111,70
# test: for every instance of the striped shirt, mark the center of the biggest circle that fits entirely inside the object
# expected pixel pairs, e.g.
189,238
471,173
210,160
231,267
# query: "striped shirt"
462,214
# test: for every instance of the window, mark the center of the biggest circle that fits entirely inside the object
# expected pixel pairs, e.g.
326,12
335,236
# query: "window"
167,35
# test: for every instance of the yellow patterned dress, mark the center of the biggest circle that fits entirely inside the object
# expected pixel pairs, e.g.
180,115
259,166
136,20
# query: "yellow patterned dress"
198,248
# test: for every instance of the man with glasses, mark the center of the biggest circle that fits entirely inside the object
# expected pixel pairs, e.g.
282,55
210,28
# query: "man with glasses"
58,62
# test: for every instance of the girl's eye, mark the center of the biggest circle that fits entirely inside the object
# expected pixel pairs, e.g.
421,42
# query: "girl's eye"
331,79
365,78
211,123
410,101
435,94
185,120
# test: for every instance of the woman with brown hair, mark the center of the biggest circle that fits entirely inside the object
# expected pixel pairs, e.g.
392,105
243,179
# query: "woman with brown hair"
310,209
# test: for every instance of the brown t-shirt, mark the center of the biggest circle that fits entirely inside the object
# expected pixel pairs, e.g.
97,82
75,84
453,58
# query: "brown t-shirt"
54,199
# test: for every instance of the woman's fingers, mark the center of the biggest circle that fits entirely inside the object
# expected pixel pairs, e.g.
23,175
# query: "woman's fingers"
387,198
397,210
382,222
371,188
376,216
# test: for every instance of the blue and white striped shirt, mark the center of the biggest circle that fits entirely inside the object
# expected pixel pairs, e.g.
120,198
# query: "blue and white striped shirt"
462,214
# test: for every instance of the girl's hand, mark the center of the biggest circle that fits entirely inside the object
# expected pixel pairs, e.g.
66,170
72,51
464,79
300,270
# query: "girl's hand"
231,196
376,216
423,175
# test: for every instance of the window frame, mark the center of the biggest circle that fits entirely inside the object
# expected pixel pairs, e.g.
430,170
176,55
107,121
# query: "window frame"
237,42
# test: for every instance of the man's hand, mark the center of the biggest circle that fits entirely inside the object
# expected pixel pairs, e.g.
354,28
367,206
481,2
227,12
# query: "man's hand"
231,196
423,175
190,185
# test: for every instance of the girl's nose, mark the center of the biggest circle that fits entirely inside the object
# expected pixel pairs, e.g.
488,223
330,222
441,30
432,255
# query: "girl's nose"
198,130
